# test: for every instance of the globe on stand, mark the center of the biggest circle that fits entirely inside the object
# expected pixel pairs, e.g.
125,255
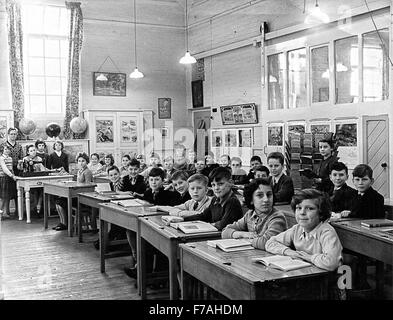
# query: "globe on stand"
27,127
78,125
53,130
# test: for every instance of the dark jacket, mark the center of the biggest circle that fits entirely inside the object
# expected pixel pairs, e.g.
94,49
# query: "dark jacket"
343,198
324,172
163,197
138,187
282,190
56,162
368,206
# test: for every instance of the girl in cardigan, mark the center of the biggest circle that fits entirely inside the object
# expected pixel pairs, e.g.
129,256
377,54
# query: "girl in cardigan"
7,181
58,159
262,221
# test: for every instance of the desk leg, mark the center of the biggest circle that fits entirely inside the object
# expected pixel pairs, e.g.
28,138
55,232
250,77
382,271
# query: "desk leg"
138,258
173,284
142,268
46,209
69,212
103,243
78,219
20,203
185,282
27,200
379,273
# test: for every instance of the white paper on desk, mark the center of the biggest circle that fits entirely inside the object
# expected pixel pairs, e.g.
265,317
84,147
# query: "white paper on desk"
101,187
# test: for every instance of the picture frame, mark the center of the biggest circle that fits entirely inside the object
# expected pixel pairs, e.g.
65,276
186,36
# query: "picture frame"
114,86
275,135
104,130
197,93
239,114
164,108
164,132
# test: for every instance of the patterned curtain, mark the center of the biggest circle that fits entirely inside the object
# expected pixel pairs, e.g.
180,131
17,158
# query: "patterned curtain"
15,43
75,46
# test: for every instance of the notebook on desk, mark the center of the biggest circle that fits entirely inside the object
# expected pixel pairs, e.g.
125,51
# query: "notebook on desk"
283,263
231,245
131,203
373,223
193,226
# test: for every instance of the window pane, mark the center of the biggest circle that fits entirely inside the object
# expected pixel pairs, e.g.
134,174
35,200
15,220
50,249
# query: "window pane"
64,22
37,104
51,21
297,87
64,48
64,67
375,65
36,66
276,81
53,104
52,67
53,86
63,85
320,74
52,48
347,66
36,47
32,16
37,85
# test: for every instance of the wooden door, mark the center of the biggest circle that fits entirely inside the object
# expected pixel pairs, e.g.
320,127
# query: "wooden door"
201,126
376,151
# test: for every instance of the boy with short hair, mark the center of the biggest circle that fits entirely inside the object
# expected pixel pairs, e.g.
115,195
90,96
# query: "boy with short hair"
225,161
224,208
261,172
134,182
40,145
255,161
239,176
282,184
200,166
180,184
342,195
369,204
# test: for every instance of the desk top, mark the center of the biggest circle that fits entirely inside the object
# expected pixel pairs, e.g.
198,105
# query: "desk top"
59,176
157,224
240,263
101,197
134,211
355,226
69,184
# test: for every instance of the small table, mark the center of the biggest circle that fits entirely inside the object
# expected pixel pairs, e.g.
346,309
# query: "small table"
66,189
27,183
91,199
371,242
126,217
234,275
166,239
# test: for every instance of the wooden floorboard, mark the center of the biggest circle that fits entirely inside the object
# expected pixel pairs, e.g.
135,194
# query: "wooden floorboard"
38,264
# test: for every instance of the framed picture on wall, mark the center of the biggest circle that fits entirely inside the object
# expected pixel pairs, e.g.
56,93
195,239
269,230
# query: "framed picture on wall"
239,114
275,135
114,85
104,130
164,108
197,93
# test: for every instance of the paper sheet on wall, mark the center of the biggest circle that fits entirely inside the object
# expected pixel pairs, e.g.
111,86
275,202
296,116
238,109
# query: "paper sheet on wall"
348,155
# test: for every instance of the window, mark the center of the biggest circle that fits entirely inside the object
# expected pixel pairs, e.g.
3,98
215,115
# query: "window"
320,74
276,81
376,65
297,80
346,53
46,58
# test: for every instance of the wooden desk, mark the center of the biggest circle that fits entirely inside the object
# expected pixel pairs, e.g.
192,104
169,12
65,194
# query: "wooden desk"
68,190
235,276
123,217
90,199
166,239
27,183
366,241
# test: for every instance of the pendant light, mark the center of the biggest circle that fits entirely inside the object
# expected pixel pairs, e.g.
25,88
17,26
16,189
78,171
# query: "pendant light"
187,58
316,15
102,76
136,74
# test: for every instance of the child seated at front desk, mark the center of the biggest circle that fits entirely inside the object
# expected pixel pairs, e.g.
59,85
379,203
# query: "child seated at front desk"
262,221
312,239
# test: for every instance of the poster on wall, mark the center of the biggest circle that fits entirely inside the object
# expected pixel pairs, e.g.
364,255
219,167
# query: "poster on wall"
346,135
104,131
128,131
298,128
245,138
319,128
164,108
239,114
216,139
275,135
230,138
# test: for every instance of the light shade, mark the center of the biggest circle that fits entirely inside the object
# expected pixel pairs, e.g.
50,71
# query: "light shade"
341,67
316,16
136,74
102,77
187,59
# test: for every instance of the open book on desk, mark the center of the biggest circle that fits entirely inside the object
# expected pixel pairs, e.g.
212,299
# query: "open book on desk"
193,226
283,263
131,203
230,245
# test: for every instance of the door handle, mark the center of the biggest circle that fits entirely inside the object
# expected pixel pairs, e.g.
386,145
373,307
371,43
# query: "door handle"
384,165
